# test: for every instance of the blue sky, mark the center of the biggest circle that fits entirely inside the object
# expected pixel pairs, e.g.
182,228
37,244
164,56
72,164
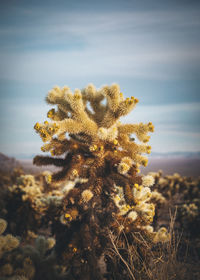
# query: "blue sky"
151,48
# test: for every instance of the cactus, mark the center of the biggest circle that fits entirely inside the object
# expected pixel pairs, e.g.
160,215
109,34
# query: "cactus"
179,192
31,262
7,242
99,154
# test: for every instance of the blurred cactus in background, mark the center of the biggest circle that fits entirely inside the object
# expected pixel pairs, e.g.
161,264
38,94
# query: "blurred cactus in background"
27,262
182,192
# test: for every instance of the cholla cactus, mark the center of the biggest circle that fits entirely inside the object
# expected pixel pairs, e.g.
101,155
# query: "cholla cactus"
189,211
189,217
28,262
32,198
7,242
181,192
37,193
96,131
171,185
100,155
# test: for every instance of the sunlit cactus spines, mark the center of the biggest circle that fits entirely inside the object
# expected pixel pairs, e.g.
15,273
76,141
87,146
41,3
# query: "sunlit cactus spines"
98,153
83,127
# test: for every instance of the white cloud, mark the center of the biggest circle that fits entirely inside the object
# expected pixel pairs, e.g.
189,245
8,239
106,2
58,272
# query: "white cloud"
45,66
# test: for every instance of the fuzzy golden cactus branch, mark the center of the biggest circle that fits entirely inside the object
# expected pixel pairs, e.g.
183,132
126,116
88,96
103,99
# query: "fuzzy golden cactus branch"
99,130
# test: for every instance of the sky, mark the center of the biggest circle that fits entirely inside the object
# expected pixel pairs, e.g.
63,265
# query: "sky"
150,48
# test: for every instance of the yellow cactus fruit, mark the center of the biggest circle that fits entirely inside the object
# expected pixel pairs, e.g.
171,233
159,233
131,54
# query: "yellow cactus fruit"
50,129
144,162
37,126
68,217
93,148
43,149
151,127
74,249
136,186
51,113
101,148
148,149
146,139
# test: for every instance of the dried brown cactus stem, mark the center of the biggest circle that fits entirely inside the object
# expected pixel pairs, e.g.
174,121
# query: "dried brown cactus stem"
47,160
128,194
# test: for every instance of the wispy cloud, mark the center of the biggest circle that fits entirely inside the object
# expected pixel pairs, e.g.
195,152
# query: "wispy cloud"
131,44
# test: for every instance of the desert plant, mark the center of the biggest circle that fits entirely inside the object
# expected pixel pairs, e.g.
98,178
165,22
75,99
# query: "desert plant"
181,192
99,154
31,262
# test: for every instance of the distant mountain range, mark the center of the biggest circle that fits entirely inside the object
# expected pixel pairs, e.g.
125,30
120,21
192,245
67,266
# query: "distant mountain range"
176,154
8,163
